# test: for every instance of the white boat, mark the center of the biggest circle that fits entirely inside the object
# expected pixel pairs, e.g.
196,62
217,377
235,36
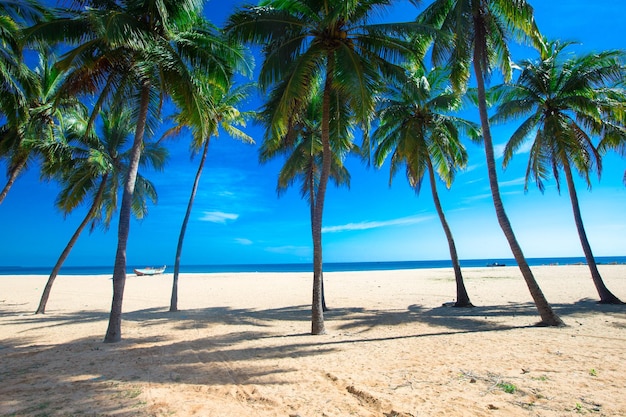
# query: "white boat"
149,271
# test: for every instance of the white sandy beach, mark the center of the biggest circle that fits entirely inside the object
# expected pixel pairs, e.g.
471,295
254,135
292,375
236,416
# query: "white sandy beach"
240,346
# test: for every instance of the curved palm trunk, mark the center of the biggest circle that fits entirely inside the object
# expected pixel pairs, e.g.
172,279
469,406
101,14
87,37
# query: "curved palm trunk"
548,316
462,299
606,296
15,172
317,312
41,309
183,229
114,329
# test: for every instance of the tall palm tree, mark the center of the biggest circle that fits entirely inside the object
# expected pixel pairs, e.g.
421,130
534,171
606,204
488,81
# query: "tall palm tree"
221,110
417,130
309,41
302,147
95,174
480,30
137,52
564,102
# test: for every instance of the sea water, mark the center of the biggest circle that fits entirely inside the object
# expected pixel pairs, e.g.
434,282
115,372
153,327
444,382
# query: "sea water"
308,267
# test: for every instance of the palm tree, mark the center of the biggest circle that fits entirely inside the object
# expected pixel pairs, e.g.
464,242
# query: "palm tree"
220,110
480,30
19,86
302,147
95,174
565,101
35,129
417,130
137,52
309,41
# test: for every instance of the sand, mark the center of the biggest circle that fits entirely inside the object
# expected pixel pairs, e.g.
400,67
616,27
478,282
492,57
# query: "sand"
240,346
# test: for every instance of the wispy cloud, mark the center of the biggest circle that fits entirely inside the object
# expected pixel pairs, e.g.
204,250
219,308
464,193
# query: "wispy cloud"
218,217
476,197
498,150
515,182
471,168
525,147
299,251
375,224
243,241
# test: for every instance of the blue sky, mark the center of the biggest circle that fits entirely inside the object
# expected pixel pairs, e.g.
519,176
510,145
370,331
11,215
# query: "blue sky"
238,217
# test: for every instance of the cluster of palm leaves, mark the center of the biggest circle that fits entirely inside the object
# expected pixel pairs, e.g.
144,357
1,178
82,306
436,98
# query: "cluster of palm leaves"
89,117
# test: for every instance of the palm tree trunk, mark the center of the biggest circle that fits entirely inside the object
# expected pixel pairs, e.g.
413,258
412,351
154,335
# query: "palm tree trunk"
41,309
312,209
15,172
606,296
183,229
548,316
462,299
114,330
317,313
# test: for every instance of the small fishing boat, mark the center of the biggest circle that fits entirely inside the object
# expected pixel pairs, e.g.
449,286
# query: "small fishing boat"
149,271
496,264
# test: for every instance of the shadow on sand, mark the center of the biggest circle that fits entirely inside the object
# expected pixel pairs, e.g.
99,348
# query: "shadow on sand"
241,352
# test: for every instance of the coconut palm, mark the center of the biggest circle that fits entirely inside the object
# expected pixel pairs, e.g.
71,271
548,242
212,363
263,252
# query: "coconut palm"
32,130
18,85
416,128
564,105
302,147
221,110
137,52
309,41
480,30
95,174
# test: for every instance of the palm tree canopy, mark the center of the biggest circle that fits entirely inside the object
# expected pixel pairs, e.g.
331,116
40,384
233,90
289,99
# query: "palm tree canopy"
96,158
480,30
300,36
38,126
120,45
416,126
220,109
302,145
565,102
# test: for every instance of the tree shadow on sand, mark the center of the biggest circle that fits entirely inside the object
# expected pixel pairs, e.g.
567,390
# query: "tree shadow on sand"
481,318
242,355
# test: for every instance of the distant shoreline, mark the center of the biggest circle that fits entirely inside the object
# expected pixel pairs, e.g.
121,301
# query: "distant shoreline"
307,267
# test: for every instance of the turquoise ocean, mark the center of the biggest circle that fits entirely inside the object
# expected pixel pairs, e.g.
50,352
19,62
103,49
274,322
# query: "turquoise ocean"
308,267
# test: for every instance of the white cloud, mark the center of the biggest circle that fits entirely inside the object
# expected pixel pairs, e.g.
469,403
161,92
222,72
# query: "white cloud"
515,182
498,151
299,251
218,217
243,241
525,148
375,224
